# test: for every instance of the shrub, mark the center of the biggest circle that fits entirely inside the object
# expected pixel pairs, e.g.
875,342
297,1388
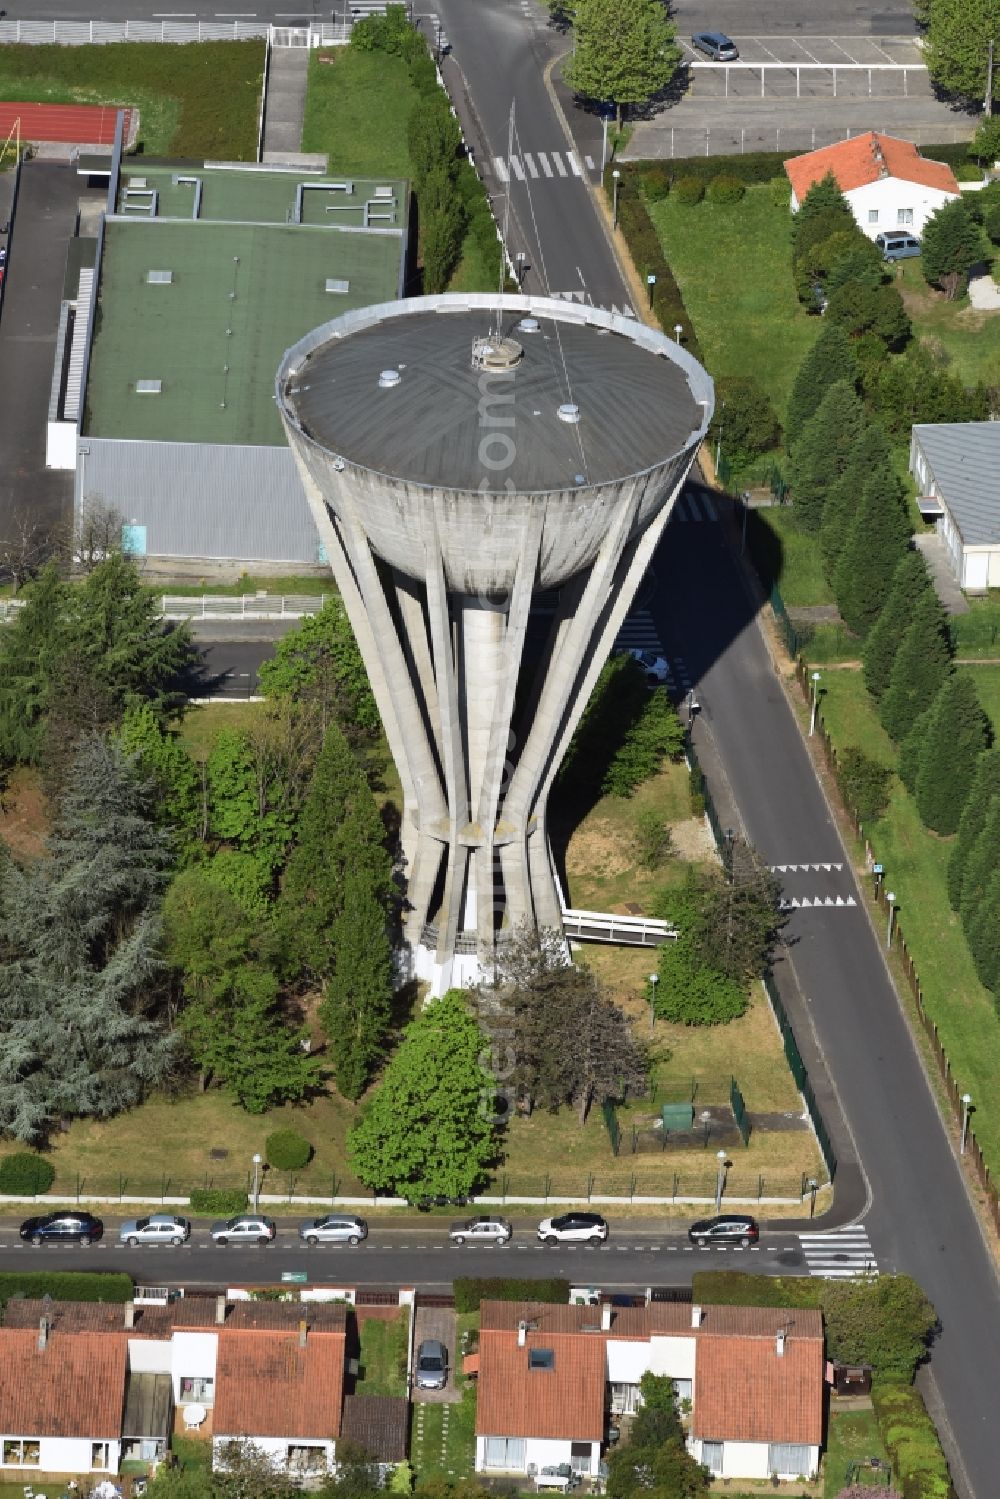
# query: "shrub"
745,422
654,842
725,189
781,192
967,171
865,783
689,191
656,184
221,1202
65,1285
471,1290
910,1439
287,1151
657,735
26,1174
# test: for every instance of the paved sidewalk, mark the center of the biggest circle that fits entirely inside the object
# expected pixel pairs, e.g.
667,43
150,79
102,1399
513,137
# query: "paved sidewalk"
285,111
953,600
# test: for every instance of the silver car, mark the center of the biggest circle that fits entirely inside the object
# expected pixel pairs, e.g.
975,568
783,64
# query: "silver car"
248,1228
159,1228
482,1230
431,1370
334,1229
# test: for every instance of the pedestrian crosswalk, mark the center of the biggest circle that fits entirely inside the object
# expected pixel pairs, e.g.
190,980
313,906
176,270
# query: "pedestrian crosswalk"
638,633
541,165
692,506
842,1254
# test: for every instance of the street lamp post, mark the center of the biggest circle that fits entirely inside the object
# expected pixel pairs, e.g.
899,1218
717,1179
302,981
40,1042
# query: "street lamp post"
654,979
891,899
966,1106
720,1180
815,703
678,330
615,178
258,1161
604,141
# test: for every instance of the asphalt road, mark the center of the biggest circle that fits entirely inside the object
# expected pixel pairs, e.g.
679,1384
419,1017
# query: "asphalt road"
635,1256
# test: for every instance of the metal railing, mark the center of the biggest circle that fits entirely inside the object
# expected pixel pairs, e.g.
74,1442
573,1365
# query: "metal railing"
86,33
242,606
626,931
729,140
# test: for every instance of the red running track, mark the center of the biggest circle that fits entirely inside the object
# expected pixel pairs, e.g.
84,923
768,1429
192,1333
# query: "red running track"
75,124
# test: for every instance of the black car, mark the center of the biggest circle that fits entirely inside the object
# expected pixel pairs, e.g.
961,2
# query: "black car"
63,1228
727,1228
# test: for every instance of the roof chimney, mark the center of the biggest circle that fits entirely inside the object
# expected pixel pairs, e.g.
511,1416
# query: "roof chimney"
303,1332
130,1314
696,1316
606,1310
220,1310
43,1334
779,1342
522,1334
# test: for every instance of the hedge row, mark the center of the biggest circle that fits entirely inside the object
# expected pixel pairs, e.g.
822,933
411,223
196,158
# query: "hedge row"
470,1290
763,166
220,1201
911,1440
64,1285
647,255
736,1288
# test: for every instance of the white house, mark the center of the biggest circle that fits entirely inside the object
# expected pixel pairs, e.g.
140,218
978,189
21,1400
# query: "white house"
61,1402
552,1377
886,181
957,466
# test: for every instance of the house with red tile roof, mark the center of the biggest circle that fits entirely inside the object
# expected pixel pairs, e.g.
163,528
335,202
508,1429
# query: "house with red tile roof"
85,1385
886,181
552,1379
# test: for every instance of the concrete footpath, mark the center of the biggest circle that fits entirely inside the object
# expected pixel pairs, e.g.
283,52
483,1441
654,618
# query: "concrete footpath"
285,110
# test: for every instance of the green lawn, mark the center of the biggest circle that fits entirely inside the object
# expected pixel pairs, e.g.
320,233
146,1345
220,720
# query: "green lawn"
382,1358
852,1437
978,632
443,1438
916,862
969,340
788,556
357,108
247,583
733,267
200,101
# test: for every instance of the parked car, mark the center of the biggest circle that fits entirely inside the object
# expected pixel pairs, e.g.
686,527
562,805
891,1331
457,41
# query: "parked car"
335,1228
248,1228
482,1230
431,1371
656,667
716,45
897,245
726,1228
572,1228
159,1228
62,1228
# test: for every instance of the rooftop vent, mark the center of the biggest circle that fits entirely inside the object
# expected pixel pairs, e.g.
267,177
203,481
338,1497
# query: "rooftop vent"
496,353
137,182
528,325
388,378
332,284
159,278
148,387
568,412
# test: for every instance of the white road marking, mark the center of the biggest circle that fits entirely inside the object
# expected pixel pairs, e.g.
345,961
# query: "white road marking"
577,169
519,171
544,163
500,167
532,169
558,164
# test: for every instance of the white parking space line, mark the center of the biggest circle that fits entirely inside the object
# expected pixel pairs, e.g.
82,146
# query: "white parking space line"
841,48
772,55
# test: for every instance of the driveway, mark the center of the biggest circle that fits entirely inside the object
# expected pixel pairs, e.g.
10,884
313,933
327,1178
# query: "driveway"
437,1322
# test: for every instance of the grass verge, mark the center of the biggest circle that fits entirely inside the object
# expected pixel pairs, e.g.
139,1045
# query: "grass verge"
784,554
733,266
917,862
196,101
357,108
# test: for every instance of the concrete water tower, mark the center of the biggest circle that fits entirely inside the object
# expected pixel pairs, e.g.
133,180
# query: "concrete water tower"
464,455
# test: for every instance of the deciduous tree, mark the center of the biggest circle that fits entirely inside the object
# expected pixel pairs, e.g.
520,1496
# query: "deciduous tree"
319,665
957,46
922,662
952,244
957,733
428,1129
745,423
689,991
654,1461
657,735
625,51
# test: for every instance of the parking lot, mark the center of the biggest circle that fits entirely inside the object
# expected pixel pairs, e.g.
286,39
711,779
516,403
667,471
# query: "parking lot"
818,66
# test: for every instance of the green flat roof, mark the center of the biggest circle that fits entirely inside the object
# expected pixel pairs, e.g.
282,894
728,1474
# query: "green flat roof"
253,195
217,354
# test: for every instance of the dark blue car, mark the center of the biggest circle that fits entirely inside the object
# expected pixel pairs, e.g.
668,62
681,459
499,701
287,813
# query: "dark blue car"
63,1228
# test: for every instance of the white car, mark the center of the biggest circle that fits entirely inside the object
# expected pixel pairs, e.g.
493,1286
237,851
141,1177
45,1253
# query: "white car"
656,667
335,1228
248,1228
482,1230
159,1228
573,1228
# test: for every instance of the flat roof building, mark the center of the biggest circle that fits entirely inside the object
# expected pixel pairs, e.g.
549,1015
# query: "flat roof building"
201,276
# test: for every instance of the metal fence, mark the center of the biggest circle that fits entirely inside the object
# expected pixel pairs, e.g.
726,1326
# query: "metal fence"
798,1070
784,623
242,606
85,33
730,140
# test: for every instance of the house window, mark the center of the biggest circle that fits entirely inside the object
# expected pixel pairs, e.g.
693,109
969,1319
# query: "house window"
21,1452
625,1399
195,1389
306,1457
99,1456
541,1358
580,1458
683,1390
711,1456
873,215
506,1452
789,1459
904,215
